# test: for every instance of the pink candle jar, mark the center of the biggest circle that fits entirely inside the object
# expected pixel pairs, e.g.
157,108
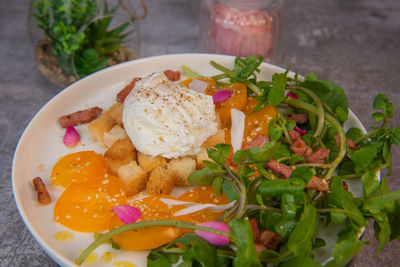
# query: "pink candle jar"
242,27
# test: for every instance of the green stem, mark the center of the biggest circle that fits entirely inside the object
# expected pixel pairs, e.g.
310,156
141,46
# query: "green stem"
367,135
253,88
219,76
139,225
262,207
227,71
334,122
283,126
189,72
320,109
350,176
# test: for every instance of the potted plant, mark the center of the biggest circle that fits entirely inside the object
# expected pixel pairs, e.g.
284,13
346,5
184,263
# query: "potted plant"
74,38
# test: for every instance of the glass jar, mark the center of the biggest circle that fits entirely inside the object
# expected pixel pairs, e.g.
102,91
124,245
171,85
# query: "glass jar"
74,39
242,27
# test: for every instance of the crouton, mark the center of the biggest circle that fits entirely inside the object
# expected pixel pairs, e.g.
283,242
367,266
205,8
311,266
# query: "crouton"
182,168
215,139
161,181
109,118
202,155
149,163
120,153
116,132
134,178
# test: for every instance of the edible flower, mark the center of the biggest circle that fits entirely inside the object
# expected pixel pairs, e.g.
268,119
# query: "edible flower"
221,96
292,95
300,131
127,214
71,137
212,238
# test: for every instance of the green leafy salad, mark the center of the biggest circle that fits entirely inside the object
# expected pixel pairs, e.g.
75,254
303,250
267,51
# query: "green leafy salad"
292,183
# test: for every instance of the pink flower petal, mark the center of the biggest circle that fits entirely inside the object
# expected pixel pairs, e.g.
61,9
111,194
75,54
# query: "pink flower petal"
127,214
300,131
292,95
71,137
214,239
221,96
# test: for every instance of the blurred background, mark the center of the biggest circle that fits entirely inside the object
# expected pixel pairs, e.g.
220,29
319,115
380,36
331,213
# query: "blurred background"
355,43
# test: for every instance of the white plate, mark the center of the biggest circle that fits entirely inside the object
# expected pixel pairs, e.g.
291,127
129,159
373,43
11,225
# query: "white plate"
41,146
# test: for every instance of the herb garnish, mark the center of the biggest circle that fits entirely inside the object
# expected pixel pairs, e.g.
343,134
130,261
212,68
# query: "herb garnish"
288,207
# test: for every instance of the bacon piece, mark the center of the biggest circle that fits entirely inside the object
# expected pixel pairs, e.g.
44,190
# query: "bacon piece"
350,143
318,156
42,195
80,117
270,239
259,141
298,118
318,184
279,169
126,90
299,145
254,229
172,75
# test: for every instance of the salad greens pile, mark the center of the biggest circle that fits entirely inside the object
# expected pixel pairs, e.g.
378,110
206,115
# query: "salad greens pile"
286,206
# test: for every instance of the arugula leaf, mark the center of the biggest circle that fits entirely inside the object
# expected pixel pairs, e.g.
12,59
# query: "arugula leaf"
245,67
340,198
157,259
229,191
241,235
303,173
300,261
277,93
382,230
376,204
220,153
201,177
365,155
370,183
300,242
201,251
382,102
345,249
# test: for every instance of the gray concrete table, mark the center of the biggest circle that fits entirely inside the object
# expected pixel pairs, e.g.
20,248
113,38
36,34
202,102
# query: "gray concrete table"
354,43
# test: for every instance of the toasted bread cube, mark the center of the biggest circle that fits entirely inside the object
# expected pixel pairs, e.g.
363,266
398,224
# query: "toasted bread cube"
134,178
161,181
202,155
115,113
149,163
120,153
182,168
215,139
109,118
116,132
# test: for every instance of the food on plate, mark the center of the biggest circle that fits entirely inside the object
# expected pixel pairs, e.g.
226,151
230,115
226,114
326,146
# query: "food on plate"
80,117
268,170
163,118
43,195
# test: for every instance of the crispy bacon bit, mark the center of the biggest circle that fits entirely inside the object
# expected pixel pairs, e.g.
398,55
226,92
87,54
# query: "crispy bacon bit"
264,239
40,188
298,118
126,90
318,156
270,240
318,184
172,75
350,143
80,117
254,229
279,169
299,145
259,141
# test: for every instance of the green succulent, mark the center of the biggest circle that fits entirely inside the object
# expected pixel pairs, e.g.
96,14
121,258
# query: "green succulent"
80,41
